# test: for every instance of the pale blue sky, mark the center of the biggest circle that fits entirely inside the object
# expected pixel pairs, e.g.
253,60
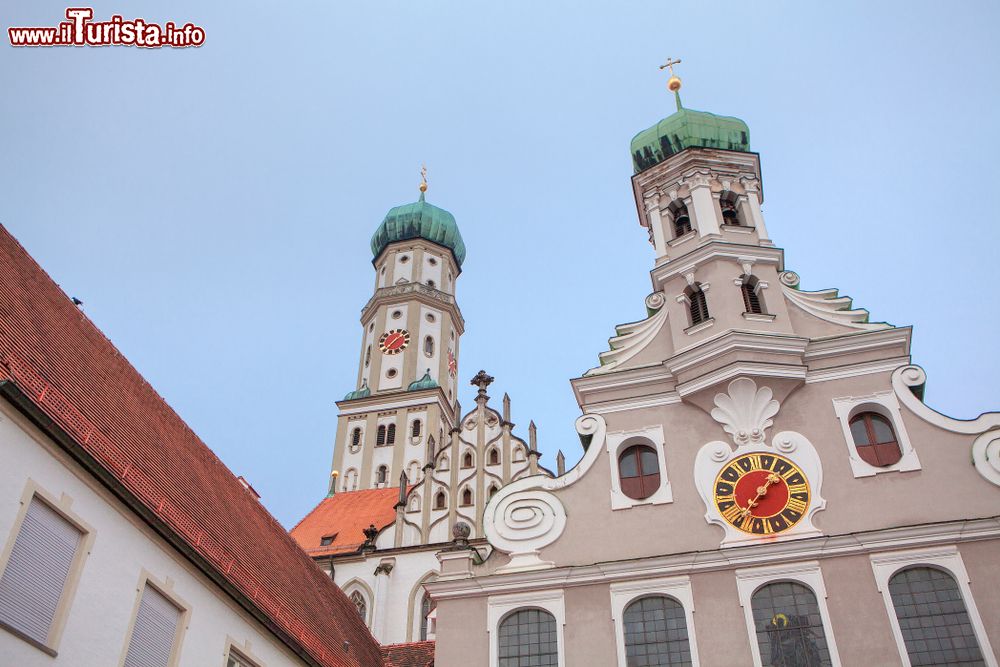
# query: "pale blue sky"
213,206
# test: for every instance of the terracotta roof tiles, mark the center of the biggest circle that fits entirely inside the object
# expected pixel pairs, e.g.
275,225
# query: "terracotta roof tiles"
346,515
414,654
74,374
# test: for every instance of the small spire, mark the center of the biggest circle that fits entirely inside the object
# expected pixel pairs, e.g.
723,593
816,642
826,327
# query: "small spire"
532,436
560,463
506,407
403,482
482,381
674,82
423,181
333,483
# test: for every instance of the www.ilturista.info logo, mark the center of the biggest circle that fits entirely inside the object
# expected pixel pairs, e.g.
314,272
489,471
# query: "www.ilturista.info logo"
79,30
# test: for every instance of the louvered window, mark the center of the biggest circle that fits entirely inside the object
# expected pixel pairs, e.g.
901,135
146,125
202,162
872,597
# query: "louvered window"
35,577
415,428
155,629
390,436
751,300
697,304
380,436
682,223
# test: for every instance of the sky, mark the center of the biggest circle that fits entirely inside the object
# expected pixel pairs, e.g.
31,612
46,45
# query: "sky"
213,206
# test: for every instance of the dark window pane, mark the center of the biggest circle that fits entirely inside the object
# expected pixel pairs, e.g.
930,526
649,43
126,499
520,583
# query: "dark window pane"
656,633
527,638
933,619
882,429
789,628
628,464
649,462
859,432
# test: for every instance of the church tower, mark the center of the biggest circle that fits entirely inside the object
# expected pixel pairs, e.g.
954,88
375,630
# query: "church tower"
405,398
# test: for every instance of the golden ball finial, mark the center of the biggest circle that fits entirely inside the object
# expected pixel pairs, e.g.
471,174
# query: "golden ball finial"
335,474
423,186
423,178
674,84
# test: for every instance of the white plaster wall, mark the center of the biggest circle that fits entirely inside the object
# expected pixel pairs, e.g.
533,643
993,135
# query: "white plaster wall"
370,343
100,611
432,271
408,570
432,329
402,269
392,360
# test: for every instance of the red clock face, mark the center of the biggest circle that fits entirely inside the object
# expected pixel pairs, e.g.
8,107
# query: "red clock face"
394,341
762,493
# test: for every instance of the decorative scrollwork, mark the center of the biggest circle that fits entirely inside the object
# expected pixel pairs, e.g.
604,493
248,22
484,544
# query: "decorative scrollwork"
655,301
746,411
789,278
522,523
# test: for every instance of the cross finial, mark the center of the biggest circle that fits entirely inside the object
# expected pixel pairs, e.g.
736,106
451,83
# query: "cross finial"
423,178
670,65
674,82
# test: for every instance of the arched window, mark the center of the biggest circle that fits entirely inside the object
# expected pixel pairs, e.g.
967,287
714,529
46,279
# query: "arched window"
415,428
368,355
440,500
350,479
518,455
414,504
380,436
426,607
492,492
467,460
875,440
390,434
466,497
681,219
413,472
443,462
380,475
360,604
750,288
429,346
639,471
789,626
697,304
728,202
431,283
355,437
527,638
656,632
932,618
494,457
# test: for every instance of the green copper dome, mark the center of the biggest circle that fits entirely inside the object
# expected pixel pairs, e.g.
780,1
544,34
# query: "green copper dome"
420,220
426,382
687,129
364,392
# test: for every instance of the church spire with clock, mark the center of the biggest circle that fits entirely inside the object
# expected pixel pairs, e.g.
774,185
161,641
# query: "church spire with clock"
405,397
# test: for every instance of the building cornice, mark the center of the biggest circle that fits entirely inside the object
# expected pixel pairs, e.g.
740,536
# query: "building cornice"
420,292
467,585
398,400
714,248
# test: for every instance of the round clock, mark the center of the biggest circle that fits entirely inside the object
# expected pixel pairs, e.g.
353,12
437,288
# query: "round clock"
762,493
394,341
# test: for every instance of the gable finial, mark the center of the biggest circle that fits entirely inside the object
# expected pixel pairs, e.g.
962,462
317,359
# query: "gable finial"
674,82
423,180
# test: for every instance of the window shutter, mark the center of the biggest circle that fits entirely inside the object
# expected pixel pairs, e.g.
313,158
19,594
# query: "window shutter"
155,628
33,581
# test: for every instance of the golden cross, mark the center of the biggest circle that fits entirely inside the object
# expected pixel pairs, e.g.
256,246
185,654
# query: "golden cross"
670,64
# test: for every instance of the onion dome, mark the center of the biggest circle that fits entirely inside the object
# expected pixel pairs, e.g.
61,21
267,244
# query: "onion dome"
420,220
364,392
688,129
426,382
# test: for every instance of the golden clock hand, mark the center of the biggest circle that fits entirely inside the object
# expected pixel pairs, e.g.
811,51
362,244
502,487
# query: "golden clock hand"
761,491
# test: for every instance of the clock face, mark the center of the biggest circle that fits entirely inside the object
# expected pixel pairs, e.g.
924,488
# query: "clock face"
762,493
394,341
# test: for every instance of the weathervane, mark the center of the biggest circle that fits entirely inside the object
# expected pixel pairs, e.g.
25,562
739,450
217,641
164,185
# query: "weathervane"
674,82
423,178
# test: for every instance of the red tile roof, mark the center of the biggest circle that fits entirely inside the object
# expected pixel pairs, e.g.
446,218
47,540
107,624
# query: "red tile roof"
70,371
345,515
414,654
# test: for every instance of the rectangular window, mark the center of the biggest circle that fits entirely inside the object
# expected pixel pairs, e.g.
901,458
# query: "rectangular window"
152,641
34,580
237,660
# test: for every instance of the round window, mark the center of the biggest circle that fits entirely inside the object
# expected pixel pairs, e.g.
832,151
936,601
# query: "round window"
404,259
432,261
396,314
430,317
391,373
